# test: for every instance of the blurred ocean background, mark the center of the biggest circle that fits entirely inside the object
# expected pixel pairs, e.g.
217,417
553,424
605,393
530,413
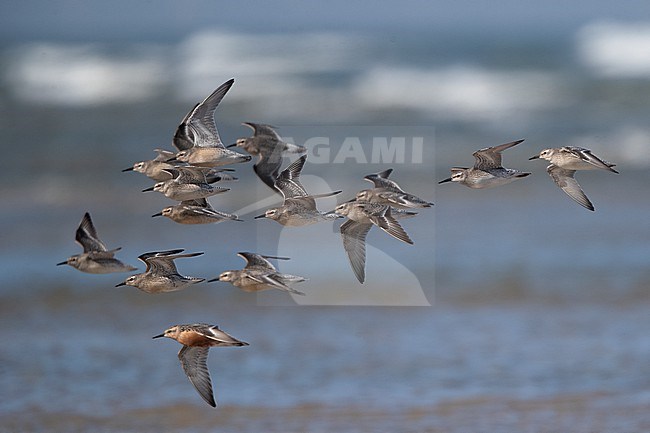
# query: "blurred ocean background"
515,310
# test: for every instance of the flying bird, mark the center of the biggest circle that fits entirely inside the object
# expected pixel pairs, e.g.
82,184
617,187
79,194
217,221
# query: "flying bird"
488,170
196,340
298,207
197,138
565,161
260,274
96,258
269,147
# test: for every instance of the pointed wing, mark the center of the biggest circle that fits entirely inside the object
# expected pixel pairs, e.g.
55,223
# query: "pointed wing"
587,156
86,235
201,122
490,157
194,363
183,138
288,182
354,242
380,180
188,174
162,263
261,129
387,223
273,281
258,260
306,202
402,199
222,338
268,169
208,211
565,180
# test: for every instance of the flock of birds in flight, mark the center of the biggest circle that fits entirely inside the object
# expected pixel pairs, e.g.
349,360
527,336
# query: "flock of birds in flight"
188,177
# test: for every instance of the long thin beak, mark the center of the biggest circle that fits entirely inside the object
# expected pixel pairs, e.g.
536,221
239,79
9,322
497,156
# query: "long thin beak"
171,159
231,145
121,284
158,336
62,263
533,157
148,189
128,169
156,214
260,216
213,280
445,180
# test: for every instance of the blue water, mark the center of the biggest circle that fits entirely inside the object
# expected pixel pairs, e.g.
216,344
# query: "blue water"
514,307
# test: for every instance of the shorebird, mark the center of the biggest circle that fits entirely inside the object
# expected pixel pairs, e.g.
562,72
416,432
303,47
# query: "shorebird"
196,340
260,274
95,259
161,274
153,168
268,146
188,183
361,217
196,211
298,208
487,171
565,161
389,193
197,138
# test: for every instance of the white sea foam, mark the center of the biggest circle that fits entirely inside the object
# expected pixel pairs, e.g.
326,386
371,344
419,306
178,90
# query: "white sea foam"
459,91
81,74
278,72
616,50
270,64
